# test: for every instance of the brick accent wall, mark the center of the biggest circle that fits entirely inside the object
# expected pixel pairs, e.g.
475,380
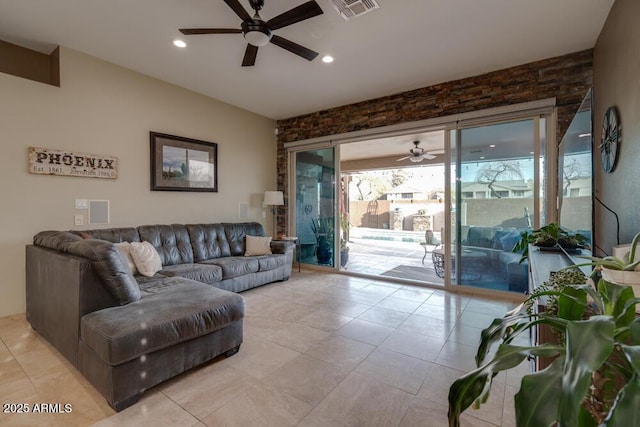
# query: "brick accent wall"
567,78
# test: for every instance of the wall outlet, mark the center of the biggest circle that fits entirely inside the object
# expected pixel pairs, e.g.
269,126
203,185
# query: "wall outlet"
82,204
78,219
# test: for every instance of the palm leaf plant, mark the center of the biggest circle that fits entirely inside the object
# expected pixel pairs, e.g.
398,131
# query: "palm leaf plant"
594,378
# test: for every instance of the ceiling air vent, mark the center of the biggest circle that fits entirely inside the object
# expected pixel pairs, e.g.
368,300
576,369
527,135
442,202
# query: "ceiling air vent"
351,8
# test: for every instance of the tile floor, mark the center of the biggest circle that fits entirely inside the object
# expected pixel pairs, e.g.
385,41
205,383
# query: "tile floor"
319,350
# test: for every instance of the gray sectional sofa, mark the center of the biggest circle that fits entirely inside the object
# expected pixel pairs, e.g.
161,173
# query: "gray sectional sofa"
126,333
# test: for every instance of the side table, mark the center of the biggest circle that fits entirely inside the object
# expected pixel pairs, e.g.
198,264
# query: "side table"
296,241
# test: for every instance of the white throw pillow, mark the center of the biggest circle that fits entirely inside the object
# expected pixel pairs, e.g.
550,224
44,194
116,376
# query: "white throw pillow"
146,258
256,245
125,249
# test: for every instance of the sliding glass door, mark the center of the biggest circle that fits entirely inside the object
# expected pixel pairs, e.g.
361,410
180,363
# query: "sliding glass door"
315,205
496,195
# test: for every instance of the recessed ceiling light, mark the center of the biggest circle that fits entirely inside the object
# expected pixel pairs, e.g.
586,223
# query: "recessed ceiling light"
481,157
327,59
492,146
179,43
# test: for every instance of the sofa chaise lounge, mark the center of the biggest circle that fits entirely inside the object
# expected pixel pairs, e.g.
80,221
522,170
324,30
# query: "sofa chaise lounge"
127,332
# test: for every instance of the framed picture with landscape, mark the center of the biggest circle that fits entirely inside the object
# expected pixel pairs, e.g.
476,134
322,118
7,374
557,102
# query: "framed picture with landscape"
183,164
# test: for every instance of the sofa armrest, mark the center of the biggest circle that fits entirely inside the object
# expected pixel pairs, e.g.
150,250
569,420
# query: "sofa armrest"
60,289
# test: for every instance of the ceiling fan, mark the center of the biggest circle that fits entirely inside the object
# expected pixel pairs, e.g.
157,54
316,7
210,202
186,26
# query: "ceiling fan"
258,32
418,154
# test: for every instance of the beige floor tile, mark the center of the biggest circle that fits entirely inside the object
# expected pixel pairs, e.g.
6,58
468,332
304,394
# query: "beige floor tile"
436,385
384,316
458,356
258,357
420,346
259,405
204,390
346,308
306,378
397,370
425,413
479,320
508,410
10,371
325,320
465,334
291,335
399,304
413,294
489,307
361,401
340,351
443,312
287,311
492,410
21,339
379,290
354,285
40,362
367,332
153,410
271,382
428,326
316,419
18,391
88,405
445,299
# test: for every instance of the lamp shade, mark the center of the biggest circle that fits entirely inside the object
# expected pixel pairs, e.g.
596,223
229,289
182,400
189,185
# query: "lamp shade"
273,198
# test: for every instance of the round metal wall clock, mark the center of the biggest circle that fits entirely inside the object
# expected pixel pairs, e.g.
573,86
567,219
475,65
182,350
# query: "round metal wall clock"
610,139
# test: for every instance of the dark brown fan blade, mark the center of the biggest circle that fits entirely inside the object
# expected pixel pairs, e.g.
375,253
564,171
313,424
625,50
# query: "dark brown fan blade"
238,9
297,14
292,47
190,31
250,56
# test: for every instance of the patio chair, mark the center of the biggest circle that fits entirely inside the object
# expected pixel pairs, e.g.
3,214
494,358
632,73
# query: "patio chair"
429,240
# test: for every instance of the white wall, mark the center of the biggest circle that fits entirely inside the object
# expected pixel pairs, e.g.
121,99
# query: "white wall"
101,108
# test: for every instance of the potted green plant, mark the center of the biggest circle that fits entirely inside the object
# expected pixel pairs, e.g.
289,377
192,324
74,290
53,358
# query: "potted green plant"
594,378
550,237
622,271
344,248
323,230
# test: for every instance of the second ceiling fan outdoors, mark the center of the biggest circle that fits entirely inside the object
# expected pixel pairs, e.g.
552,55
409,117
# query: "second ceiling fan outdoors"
258,32
417,154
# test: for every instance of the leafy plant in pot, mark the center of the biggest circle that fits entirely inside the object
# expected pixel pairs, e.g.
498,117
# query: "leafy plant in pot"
594,378
549,236
625,271
323,230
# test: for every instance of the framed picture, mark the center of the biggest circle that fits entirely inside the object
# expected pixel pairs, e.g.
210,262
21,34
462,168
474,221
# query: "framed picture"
183,164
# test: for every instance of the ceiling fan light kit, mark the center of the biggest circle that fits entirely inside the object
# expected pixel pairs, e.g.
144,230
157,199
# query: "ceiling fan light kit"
259,33
417,154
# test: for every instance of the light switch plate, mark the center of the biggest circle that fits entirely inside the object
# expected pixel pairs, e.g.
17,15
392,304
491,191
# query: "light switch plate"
78,219
82,204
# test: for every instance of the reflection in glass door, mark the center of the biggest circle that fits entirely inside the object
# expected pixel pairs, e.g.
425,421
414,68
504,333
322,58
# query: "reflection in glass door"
315,183
493,199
